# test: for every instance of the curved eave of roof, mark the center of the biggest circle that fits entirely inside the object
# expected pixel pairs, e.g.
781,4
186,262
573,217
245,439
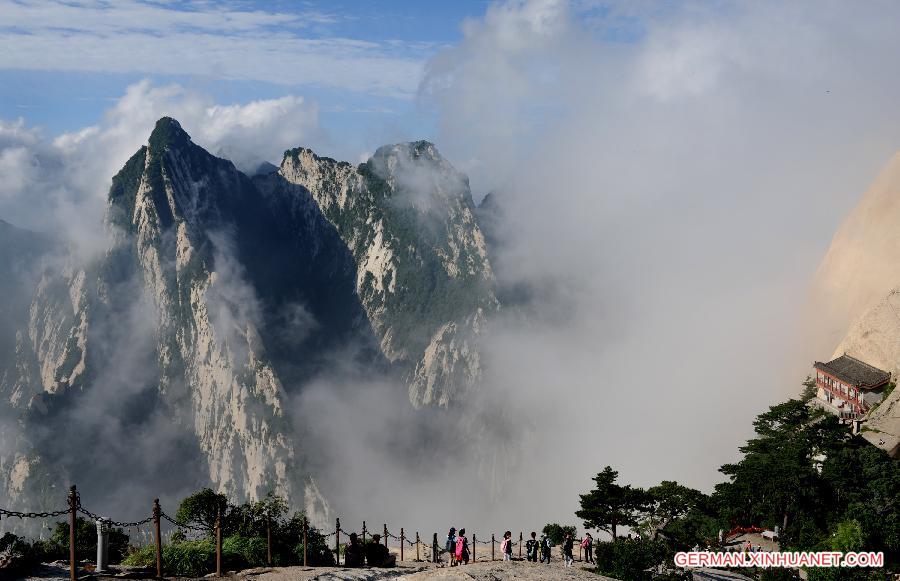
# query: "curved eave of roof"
833,368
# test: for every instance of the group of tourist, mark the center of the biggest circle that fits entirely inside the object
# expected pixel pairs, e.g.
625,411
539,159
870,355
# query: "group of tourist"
373,554
457,548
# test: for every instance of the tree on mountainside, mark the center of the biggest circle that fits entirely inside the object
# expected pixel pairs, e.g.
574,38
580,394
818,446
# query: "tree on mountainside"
802,471
777,480
610,505
557,532
202,508
682,514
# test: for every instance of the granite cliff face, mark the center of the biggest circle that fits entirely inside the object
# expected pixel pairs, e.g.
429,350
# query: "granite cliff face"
220,296
857,294
423,274
863,262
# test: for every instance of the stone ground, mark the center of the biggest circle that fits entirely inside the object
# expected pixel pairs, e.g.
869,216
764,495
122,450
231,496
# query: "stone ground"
482,570
408,570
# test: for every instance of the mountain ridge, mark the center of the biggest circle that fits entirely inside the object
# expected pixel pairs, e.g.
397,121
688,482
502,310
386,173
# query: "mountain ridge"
238,290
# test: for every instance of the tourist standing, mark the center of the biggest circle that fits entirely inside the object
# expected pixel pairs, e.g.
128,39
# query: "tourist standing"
546,547
567,549
588,545
506,546
531,548
462,548
450,547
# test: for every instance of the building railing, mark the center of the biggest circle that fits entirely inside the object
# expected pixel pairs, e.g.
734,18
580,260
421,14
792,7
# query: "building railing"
858,403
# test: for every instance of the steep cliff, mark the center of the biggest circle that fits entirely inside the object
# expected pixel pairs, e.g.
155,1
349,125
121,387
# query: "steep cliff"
856,294
863,262
423,273
170,361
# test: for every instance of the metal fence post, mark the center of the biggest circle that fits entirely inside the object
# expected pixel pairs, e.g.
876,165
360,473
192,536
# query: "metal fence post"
474,546
520,544
385,536
402,539
219,542
337,541
364,533
73,505
492,546
102,544
434,550
156,519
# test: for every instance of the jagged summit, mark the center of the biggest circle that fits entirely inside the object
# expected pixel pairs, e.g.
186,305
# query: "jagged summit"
412,149
423,274
167,134
242,290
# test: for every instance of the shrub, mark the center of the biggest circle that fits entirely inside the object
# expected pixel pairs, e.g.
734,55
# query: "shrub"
186,558
630,558
243,552
57,545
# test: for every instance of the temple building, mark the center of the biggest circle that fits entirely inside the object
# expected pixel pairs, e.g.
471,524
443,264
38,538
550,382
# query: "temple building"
848,387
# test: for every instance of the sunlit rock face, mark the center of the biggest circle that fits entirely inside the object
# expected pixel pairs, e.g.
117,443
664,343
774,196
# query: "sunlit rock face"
170,362
423,274
855,297
863,262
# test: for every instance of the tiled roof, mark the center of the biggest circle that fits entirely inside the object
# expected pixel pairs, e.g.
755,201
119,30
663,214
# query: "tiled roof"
855,372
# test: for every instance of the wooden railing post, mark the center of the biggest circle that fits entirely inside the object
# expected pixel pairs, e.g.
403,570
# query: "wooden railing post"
474,546
73,506
219,542
364,533
156,519
402,540
385,536
305,540
520,544
268,539
337,541
417,546
492,546
435,556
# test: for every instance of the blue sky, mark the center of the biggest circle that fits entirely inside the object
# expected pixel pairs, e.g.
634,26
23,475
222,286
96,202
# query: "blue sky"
67,62
665,162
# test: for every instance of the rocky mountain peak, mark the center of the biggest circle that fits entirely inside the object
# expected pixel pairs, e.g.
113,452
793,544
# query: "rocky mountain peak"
242,290
168,134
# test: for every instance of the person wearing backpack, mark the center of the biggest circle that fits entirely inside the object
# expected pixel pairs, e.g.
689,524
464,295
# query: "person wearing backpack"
506,546
531,548
462,548
450,547
546,546
588,545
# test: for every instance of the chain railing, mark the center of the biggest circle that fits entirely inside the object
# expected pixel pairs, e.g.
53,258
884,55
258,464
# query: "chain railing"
425,551
186,526
23,515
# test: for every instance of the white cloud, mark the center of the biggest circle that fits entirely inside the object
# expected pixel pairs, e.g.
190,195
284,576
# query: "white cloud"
61,185
208,39
671,188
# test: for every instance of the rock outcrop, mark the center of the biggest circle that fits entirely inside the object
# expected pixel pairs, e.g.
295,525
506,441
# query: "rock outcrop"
856,294
221,295
423,273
